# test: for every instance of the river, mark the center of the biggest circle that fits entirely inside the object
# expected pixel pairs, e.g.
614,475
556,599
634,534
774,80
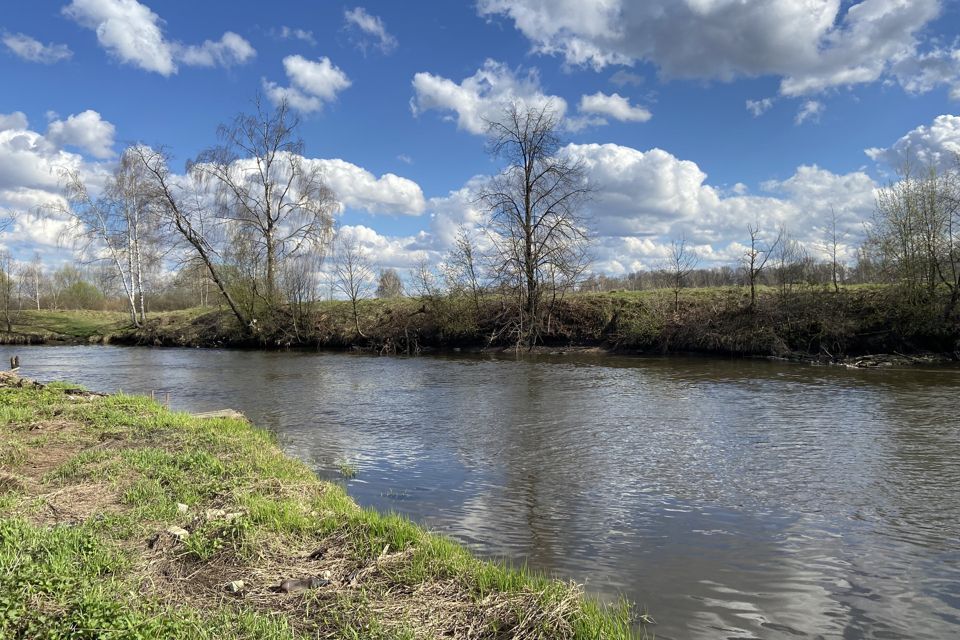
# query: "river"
729,498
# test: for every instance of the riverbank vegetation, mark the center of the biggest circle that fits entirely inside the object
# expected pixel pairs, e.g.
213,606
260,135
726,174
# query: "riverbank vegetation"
122,519
807,323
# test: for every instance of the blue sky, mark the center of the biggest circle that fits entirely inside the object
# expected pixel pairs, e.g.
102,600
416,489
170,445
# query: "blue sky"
693,117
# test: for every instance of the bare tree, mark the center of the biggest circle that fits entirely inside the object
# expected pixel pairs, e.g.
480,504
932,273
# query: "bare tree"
389,284
756,257
533,204
353,274
9,306
267,190
463,272
832,240
683,260
915,231
301,285
789,261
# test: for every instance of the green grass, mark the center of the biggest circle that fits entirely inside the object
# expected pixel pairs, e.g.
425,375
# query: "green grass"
347,469
126,463
71,323
83,324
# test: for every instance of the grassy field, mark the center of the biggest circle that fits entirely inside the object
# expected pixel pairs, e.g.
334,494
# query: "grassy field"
121,519
82,325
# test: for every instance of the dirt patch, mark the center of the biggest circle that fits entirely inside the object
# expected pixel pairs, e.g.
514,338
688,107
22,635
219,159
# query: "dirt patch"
78,502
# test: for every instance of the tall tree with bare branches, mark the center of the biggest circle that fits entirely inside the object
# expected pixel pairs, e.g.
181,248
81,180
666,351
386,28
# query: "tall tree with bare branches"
756,257
683,260
267,190
534,210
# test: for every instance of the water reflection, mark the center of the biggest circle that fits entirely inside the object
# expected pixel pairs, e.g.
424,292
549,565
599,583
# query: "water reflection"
736,499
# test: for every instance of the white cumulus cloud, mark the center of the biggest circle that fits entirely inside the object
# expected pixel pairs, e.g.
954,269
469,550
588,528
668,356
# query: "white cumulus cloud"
935,145
132,33
15,120
614,106
313,83
86,130
355,187
482,96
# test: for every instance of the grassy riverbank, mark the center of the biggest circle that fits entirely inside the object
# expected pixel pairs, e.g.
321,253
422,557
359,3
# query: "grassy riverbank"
122,519
805,323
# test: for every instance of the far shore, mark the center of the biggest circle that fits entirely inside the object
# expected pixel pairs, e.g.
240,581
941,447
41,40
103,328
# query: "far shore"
863,326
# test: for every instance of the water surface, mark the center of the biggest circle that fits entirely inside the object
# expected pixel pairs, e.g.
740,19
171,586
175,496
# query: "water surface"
731,498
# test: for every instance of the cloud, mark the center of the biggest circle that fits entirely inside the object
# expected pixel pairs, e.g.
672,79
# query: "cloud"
33,50
811,46
355,187
31,166
133,34
371,29
15,120
482,96
86,130
925,71
399,252
623,78
128,30
290,33
759,107
614,106
230,50
313,83
809,110
937,144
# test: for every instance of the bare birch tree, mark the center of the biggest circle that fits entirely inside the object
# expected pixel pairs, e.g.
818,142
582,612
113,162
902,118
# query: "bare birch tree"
533,204
183,211
32,279
116,226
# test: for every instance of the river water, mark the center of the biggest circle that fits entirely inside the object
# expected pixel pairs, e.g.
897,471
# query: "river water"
729,498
